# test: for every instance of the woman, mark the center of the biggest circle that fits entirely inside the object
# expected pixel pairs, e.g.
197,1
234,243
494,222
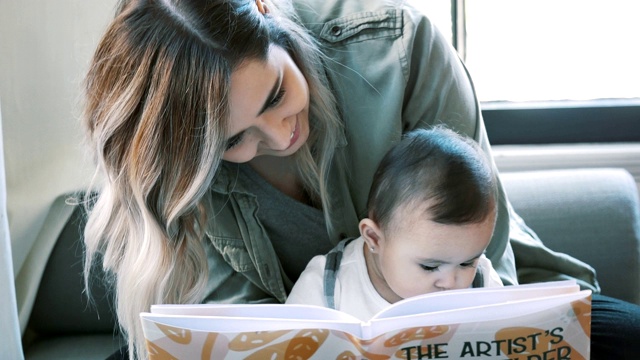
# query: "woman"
237,139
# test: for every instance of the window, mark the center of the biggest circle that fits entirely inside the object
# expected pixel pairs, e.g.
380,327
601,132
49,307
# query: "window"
554,49
550,66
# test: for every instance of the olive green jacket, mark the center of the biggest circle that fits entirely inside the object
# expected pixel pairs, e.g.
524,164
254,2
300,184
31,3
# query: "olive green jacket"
392,72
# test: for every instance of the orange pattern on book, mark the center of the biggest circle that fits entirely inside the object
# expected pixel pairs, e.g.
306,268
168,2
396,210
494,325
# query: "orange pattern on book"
544,345
251,340
582,309
158,353
181,336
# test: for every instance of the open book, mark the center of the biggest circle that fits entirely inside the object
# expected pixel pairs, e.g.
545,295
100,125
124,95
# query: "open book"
525,322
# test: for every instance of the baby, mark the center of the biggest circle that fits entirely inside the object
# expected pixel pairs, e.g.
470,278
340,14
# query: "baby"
431,214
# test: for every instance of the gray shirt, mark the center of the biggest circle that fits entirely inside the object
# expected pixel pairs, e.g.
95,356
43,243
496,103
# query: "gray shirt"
297,231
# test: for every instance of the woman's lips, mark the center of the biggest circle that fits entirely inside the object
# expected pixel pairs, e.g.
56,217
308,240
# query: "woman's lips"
295,134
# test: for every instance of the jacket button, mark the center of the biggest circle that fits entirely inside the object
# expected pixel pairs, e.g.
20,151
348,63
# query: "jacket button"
336,30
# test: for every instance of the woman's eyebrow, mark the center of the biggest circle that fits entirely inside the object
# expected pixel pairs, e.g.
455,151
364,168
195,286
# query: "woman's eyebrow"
272,94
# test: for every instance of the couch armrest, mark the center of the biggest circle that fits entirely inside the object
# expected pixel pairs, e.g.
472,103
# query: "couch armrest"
590,214
59,321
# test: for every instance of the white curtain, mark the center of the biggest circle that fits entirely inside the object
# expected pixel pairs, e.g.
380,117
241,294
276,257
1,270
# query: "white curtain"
10,344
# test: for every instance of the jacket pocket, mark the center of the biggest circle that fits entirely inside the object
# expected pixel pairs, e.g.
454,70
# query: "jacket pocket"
363,26
234,253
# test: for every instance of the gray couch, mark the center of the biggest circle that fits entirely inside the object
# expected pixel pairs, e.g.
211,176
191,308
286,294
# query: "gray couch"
592,214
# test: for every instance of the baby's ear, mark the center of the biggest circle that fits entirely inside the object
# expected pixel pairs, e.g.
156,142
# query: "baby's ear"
371,233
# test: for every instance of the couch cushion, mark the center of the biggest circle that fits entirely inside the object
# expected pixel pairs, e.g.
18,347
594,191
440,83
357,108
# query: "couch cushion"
74,347
590,214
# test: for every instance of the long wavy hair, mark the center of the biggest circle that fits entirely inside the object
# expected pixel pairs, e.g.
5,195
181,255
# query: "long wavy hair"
156,117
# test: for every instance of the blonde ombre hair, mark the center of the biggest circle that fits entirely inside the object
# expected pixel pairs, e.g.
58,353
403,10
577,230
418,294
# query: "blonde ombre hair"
156,112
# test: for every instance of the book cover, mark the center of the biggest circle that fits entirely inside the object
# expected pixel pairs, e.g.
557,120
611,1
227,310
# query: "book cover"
525,322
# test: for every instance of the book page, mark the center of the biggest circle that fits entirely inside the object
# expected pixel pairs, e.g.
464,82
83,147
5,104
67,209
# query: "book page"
224,324
477,314
252,317
280,311
473,297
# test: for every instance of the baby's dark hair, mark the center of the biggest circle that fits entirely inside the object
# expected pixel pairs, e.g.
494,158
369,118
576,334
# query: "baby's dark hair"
438,166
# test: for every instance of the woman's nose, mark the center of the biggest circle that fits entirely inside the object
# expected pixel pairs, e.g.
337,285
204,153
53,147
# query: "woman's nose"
277,133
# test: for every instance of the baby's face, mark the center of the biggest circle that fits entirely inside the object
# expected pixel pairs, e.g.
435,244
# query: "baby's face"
419,256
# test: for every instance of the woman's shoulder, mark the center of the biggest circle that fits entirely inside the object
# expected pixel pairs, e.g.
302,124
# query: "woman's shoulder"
335,20
366,36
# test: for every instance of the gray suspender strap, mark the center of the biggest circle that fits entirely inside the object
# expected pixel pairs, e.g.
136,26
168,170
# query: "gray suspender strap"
331,267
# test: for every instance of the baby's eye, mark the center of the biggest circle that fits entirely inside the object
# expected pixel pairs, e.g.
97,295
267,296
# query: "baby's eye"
468,264
429,268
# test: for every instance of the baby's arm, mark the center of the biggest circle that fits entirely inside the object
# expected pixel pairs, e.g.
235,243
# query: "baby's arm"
309,287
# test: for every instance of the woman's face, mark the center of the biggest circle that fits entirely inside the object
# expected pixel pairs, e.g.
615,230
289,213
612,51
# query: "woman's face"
269,108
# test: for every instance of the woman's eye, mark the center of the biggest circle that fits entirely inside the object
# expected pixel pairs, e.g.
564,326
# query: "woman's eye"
276,99
234,141
429,268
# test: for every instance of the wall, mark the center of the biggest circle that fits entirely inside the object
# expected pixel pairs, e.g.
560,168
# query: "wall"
44,49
